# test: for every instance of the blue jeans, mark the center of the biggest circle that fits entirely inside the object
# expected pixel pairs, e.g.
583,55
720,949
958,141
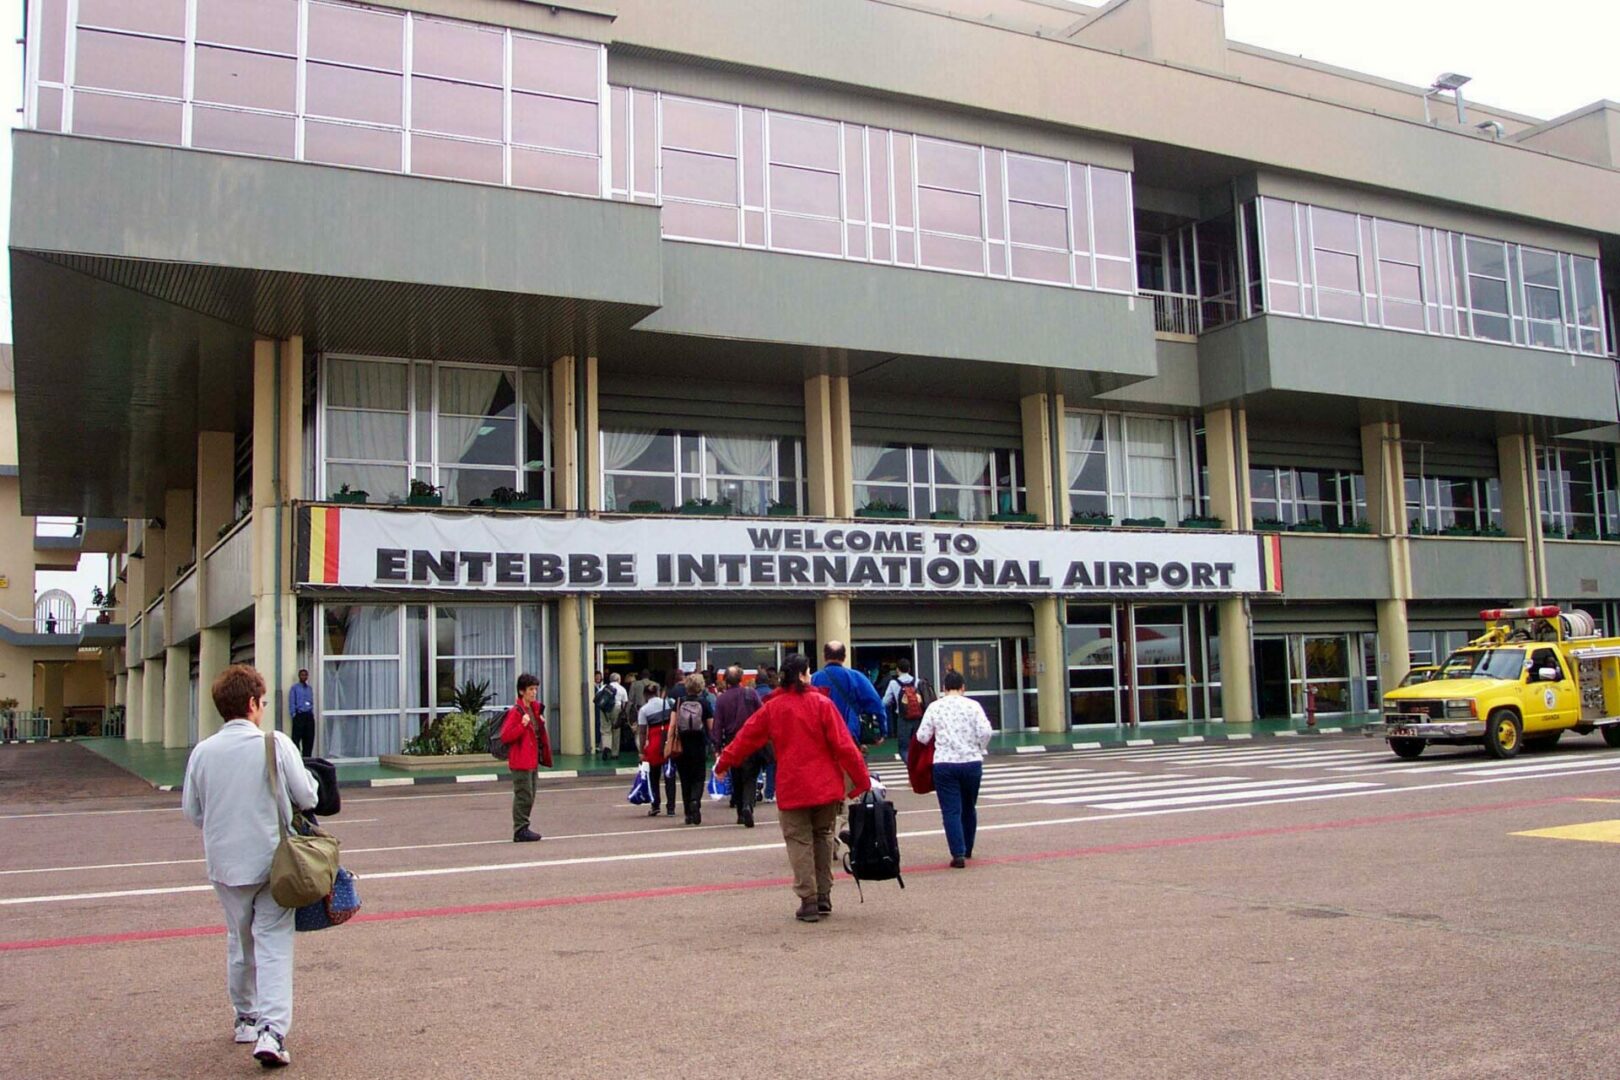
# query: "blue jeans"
957,786
770,780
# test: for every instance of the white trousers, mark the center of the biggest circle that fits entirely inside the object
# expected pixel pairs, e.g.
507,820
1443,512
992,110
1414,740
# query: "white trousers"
258,954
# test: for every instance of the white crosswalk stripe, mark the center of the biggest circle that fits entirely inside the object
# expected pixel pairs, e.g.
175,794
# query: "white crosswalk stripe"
1234,796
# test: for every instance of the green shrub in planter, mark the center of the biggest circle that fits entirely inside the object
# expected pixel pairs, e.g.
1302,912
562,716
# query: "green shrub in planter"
1358,527
1091,519
646,506
1144,523
880,509
344,495
1583,534
1492,530
1202,523
1267,524
706,507
424,494
511,499
1307,527
1459,530
944,515
782,509
1026,519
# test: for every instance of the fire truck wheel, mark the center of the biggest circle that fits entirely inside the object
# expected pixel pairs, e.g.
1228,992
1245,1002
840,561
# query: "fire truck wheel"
1611,734
1503,734
1407,748
1540,743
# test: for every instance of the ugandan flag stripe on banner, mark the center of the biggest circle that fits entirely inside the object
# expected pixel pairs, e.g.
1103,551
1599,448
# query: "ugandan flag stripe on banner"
323,532
1271,566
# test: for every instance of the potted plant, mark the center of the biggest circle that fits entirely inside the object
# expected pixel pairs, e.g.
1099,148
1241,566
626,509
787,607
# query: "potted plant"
1270,524
1201,521
424,494
512,499
706,508
1024,518
1360,526
1583,534
1492,530
1308,527
1091,519
1415,527
781,509
345,495
1459,530
944,515
1144,523
880,508
646,506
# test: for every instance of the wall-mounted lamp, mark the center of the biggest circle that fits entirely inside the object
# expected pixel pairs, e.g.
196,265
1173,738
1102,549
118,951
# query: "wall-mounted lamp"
1448,80
1495,129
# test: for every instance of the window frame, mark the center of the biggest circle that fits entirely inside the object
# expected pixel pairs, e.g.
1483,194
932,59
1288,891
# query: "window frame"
797,484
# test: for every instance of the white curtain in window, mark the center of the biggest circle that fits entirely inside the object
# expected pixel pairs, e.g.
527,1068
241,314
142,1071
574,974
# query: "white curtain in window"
379,433
621,448
465,393
743,455
1084,428
867,456
966,467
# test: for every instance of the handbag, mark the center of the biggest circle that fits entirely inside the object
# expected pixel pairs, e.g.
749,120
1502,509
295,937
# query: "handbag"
334,909
304,867
672,742
641,786
920,765
718,789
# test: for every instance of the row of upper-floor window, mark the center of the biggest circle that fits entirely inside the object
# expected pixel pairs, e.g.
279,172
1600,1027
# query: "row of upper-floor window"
1320,263
478,433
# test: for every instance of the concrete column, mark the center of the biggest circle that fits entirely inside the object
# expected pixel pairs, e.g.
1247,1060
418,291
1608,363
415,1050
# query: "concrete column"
120,688
152,702
1226,442
132,594
134,699
1045,497
564,435
213,657
278,478
154,578
828,449
576,658
1394,654
1521,506
176,697
1237,661
832,623
50,697
1051,665
180,537
216,482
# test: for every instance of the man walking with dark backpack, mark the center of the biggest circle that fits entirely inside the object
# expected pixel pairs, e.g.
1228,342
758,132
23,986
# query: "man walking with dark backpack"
736,704
905,700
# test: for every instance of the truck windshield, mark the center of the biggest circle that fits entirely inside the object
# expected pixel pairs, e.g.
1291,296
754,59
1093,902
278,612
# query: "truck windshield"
1484,664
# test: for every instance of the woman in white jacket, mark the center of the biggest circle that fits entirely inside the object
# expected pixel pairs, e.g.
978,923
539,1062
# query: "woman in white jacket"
960,732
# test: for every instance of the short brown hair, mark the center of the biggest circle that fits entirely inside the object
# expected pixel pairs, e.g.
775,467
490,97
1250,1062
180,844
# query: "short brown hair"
236,686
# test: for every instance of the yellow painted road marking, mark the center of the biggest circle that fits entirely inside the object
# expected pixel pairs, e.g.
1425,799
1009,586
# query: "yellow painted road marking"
1603,832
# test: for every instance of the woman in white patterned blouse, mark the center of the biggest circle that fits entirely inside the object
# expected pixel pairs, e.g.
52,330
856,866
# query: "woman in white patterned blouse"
960,732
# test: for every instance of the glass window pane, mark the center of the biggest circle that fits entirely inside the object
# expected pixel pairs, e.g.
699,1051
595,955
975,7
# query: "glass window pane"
1400,282
462,486
1488,294
52,42
948,211
805,192
801,141
340,144
1039,265
951,253
1540,268
556,172
1487,257
1036,180
370,436
271,25
477,392
366,384
1338,271
456,50
1111,211
381,483
1046,226
806,234
477,441
48,109
456,108
362,630
133,64
145,16
127,118
350,34
555,123
553,67
1334,229
1337,305
352,94
621,491
1398,242
947,165
434,156
699,176
698,222
700,125
361,684
230,77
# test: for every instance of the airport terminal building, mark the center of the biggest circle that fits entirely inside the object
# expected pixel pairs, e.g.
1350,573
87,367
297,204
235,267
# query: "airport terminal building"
1138,374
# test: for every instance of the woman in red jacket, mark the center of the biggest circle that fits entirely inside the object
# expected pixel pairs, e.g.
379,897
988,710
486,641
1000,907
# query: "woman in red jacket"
814,758
528,747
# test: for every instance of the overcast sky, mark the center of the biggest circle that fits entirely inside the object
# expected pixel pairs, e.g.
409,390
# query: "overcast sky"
1543,58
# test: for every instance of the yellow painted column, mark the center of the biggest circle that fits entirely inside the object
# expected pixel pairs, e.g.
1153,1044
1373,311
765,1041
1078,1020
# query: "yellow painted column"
176,697
152,701
576,614
278,477
134,701
832,623
180,517
50,698
1226,440
216,459
213,657
576,653
121,688
843,449
1047,499
1521,506
1383,463
1039,438
828,449
1051,665
1237,660
154,559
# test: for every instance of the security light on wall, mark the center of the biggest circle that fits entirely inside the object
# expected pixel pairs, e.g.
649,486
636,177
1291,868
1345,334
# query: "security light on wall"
1448,80
1490,127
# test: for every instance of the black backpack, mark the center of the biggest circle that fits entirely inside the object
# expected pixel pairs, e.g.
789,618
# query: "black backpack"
606,700
872,842
497,748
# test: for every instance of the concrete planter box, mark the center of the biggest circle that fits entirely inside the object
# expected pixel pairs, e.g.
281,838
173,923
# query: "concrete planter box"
439,761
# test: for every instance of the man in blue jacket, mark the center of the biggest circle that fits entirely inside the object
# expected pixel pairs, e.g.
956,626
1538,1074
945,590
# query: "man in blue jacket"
851,691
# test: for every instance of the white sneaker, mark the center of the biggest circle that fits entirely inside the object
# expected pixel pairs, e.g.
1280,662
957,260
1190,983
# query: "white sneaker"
247,1029
271,1051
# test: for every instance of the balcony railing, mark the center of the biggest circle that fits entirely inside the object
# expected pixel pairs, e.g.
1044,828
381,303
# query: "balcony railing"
1175,313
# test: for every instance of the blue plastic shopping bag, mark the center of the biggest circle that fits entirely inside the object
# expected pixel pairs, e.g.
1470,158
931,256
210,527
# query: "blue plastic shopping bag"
641,787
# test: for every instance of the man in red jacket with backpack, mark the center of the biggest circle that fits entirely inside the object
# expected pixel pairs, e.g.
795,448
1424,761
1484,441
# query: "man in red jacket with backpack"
524,733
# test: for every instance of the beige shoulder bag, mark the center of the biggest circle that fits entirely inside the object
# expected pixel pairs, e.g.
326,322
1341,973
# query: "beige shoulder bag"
304,867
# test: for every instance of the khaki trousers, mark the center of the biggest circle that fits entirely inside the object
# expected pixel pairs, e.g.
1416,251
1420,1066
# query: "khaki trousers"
809,834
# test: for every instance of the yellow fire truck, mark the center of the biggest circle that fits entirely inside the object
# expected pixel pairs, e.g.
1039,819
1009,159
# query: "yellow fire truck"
1534,674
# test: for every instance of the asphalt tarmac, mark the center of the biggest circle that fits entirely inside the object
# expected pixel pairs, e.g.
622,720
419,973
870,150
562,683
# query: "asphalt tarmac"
1289,909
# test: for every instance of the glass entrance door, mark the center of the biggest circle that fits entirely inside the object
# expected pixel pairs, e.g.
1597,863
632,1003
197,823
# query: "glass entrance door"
1272,678
980,665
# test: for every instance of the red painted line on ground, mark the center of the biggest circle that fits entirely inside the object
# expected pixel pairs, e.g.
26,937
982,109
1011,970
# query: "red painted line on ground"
780,882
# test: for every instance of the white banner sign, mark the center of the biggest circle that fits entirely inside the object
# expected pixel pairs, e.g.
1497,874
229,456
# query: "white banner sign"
362,548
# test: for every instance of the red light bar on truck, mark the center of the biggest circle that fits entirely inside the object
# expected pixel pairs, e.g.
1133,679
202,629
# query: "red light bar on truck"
1546,611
